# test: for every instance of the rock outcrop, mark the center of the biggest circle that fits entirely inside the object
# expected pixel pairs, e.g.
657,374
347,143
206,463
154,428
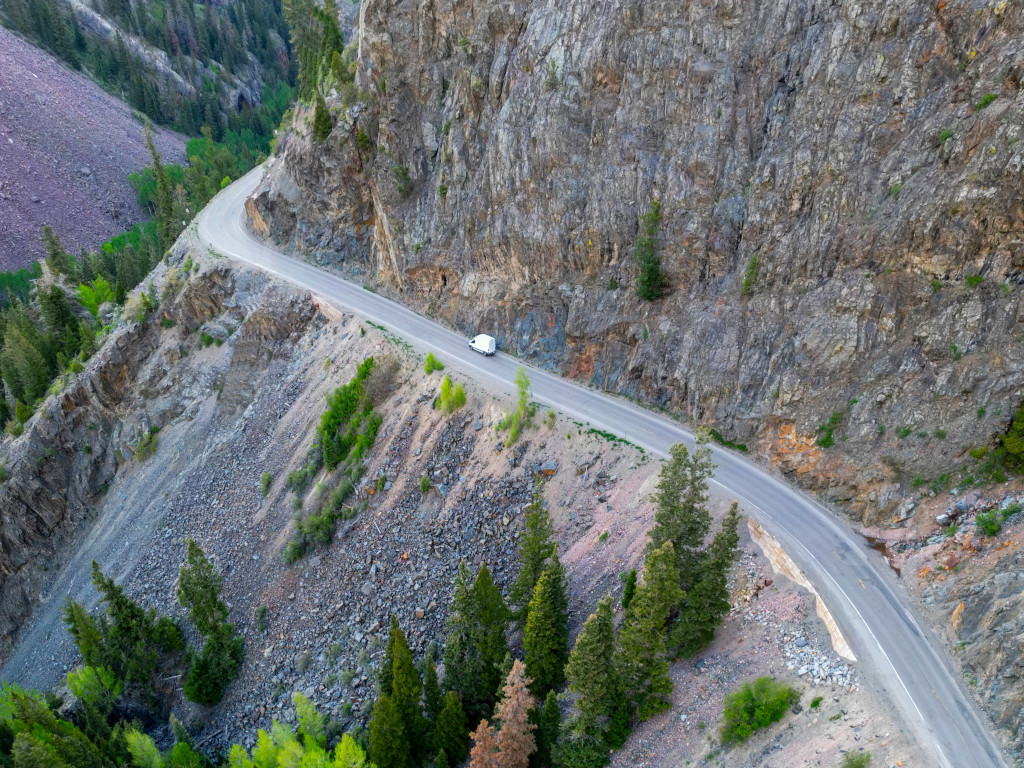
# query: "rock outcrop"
840,210
59,470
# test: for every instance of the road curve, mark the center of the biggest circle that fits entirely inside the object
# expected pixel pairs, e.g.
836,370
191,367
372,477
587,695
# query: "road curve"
891,646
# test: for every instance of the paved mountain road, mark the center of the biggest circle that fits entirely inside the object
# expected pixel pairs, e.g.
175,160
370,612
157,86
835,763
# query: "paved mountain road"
897,652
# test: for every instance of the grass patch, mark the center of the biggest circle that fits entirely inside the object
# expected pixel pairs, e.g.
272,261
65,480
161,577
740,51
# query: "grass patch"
750,276
856,759
398,341
609,436
718,438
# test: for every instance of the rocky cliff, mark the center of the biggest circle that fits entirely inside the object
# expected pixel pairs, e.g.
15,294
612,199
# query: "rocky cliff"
839,186
58,472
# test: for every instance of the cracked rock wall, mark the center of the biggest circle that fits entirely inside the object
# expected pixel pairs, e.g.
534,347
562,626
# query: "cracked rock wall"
842,158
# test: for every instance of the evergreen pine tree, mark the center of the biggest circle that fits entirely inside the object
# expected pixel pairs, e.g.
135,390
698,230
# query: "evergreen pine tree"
682,516
85,631
441,761
546,639
462,663
707,603
630,590
642,661
217,663
86,339
651,282
57,259
388,745
25,369
515,741
451,733
385,675
405,693
548,727
322,125
433,697
593,675
166,231
199,587
535,547
493,618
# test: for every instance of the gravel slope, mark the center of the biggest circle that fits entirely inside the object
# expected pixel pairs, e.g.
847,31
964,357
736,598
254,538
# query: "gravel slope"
66,149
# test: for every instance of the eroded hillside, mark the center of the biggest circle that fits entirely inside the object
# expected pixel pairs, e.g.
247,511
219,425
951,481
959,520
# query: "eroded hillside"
68,148
233,368
839,196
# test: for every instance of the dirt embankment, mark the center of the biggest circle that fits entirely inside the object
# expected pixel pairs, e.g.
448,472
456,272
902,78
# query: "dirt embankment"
66,149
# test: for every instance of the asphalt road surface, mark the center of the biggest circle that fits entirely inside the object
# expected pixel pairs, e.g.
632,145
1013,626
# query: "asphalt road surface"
897,652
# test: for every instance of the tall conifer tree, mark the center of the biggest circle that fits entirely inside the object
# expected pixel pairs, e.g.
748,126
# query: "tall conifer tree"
546,640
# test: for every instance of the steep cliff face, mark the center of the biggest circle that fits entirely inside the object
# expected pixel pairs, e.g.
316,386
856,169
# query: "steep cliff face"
834,180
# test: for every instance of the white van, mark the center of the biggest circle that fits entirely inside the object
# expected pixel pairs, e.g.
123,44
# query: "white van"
483,344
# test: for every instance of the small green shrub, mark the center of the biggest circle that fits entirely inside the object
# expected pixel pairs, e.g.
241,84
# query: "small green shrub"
334,652
452,397
363,141
403,180
519,419
754,707
205,338
551,80
22,412
936,285
940,433
904,432
945,135
987,99
981,412
425,484
167,322
816,702
989,523
894,190
603,536
292,552
826,440
432,364
974,280
146,447
956,352
261,618
265,480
